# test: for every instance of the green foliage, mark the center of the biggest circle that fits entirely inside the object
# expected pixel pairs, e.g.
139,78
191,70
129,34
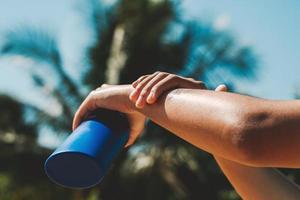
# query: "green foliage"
21,158
12,120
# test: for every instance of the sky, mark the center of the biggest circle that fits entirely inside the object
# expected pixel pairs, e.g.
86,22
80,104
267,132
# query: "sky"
271,27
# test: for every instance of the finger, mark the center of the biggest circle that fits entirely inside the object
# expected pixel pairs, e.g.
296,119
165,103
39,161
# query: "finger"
135,83
132,138
136,127
84,110
193,84
168,83
145,95
221,88
135,94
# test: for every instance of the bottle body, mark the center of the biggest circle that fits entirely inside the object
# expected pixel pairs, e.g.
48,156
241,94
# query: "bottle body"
84,157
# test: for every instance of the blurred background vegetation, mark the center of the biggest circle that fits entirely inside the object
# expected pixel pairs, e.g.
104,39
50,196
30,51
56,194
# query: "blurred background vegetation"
130,38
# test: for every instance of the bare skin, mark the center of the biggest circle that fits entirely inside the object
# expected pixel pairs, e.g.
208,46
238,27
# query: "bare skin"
250,182
258,183
243,129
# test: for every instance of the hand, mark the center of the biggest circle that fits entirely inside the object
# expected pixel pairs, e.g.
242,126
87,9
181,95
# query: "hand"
149,87
114,97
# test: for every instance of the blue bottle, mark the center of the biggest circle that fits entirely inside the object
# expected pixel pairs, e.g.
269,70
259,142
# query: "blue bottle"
85,156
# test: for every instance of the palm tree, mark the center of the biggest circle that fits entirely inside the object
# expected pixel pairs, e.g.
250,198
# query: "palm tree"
136,37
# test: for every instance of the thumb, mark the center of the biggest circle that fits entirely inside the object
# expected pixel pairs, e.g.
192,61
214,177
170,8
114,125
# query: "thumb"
221,88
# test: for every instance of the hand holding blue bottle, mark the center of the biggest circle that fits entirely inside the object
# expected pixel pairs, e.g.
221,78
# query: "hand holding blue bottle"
98,136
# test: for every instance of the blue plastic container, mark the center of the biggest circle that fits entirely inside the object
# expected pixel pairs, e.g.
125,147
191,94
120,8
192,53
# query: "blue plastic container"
85,156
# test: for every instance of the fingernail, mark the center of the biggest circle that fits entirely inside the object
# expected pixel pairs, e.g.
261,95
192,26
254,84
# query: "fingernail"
139,103
150,98
132,95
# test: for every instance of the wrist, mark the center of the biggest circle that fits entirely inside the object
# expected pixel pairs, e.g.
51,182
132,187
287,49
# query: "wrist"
131,105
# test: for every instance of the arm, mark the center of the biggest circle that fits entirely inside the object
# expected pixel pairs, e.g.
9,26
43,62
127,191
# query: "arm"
258,183
244,129
248,130
249,182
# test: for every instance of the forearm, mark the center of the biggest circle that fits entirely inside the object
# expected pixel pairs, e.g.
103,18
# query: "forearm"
244,129
209,120
258,183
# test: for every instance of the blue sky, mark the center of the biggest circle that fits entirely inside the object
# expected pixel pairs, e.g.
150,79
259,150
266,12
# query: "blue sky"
271,27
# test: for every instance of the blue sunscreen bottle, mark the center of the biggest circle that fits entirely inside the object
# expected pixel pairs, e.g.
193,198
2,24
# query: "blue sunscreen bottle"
84,157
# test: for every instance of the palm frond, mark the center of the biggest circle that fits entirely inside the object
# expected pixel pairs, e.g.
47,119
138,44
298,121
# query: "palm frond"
41,46
212,49
41,118
57,93
33,43
243,62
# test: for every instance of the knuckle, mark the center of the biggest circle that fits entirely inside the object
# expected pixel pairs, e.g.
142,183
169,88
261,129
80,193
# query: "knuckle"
172,77
139,87
91,93
162,74
91,96
142,77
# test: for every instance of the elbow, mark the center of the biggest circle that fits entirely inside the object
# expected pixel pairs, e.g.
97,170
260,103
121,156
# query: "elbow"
244,145
247,137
